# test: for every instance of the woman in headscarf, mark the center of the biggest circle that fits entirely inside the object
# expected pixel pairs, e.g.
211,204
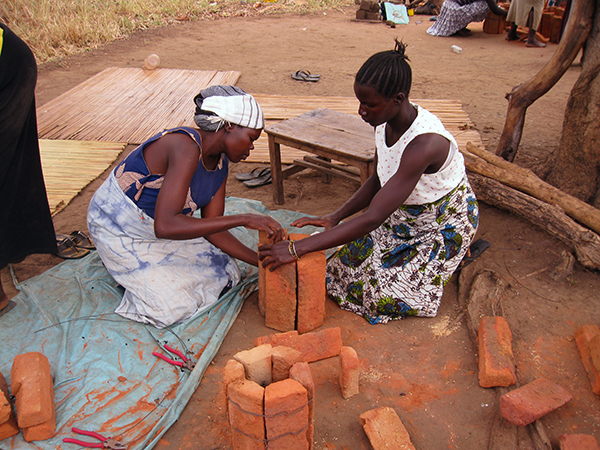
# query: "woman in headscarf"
171,264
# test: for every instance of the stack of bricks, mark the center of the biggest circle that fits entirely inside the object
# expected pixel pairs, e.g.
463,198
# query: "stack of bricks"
494,24
32,386
551,23
292,297
269,393
270,390
368,10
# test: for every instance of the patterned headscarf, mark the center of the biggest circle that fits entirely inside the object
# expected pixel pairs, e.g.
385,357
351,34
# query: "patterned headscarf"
218,105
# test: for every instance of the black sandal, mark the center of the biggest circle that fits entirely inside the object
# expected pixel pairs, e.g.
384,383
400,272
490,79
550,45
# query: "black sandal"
476,249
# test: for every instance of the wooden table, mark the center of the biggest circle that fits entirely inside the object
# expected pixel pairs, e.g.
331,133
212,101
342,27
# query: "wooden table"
332,136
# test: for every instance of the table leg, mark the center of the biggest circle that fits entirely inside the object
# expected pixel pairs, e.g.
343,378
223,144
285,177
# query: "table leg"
276,175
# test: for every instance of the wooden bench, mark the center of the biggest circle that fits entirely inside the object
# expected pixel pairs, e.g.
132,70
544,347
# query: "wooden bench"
333,136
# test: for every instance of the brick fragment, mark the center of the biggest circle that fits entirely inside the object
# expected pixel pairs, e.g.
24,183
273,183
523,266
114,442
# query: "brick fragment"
349,372
583,336
286,411
315,345
9,427
283,359
311,289
496,364
528,403
31,384
257,363
5,405
385,430
301,373
595,353
280,297
233,371
578,442
245,401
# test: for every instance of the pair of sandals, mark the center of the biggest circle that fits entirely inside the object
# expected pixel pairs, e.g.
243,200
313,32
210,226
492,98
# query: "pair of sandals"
305,75
74,246
476,249
255,178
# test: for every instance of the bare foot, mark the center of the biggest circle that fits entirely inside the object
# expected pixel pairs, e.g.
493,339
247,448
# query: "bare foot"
534,43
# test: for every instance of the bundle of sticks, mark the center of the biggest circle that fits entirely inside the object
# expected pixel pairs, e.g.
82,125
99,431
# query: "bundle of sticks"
507,186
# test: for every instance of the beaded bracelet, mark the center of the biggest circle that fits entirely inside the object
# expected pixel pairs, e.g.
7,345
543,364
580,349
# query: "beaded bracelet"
292,250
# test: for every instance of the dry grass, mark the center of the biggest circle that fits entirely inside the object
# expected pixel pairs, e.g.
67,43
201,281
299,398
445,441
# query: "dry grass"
58,28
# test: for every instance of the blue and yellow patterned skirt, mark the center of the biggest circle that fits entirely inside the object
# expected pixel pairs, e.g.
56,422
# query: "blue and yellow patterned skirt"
400,269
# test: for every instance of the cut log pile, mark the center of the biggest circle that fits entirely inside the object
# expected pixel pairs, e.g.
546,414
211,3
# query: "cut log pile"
507,186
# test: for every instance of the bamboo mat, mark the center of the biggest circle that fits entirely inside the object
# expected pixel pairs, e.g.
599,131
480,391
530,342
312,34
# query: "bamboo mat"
69,166
127,104
279,107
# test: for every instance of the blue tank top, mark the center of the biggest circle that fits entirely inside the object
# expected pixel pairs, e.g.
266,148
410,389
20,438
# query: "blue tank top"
142,187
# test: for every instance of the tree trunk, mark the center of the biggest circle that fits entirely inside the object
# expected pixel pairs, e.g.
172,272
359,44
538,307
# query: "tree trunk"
576,163
521,97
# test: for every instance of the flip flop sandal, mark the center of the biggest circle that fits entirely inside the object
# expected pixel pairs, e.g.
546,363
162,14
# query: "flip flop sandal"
477,248
82,240
68,250
305,75
258,172
260,181
7,308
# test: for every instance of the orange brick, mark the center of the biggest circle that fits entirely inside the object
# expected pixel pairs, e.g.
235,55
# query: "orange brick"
280,297
263,238
283,359
257,364
578,442
496,365
583,336
301,373
31,384
245,407
349,372
233,371
311,289
41,432
314,346
532,401
9,427
385,430
5,406
286,411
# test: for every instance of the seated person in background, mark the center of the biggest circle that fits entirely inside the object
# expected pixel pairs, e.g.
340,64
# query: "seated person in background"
171,264
422,213
456,15
525,13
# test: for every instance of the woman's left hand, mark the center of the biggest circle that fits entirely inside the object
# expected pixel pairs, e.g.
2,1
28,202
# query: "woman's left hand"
275,254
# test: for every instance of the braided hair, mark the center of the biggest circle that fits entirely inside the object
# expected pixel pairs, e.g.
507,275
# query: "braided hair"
387,72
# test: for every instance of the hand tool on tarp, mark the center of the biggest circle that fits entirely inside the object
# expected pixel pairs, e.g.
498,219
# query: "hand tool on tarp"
107,443
185,363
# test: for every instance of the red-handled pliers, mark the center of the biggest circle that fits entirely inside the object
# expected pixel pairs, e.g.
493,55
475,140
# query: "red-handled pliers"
185,363
109,443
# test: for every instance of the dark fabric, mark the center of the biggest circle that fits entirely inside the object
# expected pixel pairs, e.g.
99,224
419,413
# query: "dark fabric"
25,221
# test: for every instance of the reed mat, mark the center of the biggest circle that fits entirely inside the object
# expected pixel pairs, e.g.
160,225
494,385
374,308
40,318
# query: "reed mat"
127,104
69,166
280,107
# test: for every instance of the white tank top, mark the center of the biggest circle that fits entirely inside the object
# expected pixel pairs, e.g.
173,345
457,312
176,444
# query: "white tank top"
431,186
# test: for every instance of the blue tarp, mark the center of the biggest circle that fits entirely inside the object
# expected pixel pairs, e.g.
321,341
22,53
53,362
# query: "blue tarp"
105,376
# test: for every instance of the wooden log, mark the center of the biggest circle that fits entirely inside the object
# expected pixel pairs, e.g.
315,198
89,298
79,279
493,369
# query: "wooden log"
577,29
526,181
550,218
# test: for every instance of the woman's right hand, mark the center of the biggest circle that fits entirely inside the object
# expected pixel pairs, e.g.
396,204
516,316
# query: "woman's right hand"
259,222
324,221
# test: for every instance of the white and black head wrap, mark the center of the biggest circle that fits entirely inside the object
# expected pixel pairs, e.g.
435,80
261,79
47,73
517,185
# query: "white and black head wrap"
219,105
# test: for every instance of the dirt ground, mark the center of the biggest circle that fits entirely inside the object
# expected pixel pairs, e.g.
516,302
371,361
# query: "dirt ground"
424,368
